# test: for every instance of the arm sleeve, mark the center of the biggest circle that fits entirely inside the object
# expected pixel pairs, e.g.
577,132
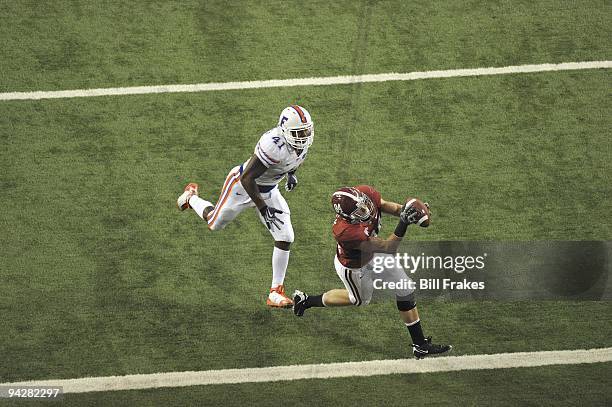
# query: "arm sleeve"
268,151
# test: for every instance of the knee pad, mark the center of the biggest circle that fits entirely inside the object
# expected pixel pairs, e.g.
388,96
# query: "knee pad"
285,235
406,303
290,236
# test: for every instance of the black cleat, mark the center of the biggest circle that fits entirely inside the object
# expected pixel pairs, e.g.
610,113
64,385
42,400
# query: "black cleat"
429,349
299,303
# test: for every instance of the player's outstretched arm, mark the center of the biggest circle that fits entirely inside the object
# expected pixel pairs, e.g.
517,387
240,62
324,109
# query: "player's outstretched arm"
378,245
393,208
408,215
390,208
255,168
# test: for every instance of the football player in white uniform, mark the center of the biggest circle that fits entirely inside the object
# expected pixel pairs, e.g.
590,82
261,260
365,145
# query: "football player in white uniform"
278,154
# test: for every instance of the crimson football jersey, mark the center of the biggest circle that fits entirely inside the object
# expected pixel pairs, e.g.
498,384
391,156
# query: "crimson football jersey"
349,236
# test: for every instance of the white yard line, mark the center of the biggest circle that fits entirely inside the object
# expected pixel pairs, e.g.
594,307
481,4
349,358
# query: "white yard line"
328,370
332,80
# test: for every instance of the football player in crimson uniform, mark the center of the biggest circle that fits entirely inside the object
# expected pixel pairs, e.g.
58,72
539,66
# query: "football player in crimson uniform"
358,212
254,183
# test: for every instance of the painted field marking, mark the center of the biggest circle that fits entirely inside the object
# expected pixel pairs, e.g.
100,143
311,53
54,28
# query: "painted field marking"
322,81
324,371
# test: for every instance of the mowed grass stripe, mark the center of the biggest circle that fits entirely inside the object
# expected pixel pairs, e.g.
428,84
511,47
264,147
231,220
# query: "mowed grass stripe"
321,81
324,371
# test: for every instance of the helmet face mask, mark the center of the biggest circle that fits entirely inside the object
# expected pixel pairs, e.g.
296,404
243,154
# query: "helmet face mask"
363,211
353,205
300,138
297,127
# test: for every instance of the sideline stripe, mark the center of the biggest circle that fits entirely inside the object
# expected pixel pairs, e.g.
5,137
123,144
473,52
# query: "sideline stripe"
329,370
321,81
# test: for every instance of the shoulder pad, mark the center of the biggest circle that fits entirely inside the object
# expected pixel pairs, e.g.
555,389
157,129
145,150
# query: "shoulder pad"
269,149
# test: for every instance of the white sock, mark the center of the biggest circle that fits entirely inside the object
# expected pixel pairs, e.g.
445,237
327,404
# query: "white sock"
280,260
198,204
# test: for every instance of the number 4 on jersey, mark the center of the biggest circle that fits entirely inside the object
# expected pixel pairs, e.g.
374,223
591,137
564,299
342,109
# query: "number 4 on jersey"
278,140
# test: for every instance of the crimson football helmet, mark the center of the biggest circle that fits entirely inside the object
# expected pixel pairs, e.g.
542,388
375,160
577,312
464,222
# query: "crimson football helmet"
353,205
297,126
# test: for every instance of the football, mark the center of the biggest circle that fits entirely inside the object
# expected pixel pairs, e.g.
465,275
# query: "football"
421,207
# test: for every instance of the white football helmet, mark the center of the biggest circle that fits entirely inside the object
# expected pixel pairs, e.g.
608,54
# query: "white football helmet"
297,127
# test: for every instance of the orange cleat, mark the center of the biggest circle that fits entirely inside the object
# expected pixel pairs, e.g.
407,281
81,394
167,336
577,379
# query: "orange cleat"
278,299
183,201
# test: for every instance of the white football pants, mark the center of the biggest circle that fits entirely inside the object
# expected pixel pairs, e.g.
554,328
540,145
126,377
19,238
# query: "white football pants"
360,281
234,199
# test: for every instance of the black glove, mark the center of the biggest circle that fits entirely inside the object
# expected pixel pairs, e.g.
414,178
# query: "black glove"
409,214
291,181
269,215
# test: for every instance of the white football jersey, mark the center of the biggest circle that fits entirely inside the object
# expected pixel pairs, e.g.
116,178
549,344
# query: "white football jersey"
280,158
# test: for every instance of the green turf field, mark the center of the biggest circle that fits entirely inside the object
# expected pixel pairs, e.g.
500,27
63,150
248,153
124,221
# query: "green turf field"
525,387
101,275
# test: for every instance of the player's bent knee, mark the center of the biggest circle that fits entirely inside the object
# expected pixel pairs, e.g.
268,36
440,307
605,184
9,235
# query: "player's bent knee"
290,236
215,226
358,302
285,236
406,304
